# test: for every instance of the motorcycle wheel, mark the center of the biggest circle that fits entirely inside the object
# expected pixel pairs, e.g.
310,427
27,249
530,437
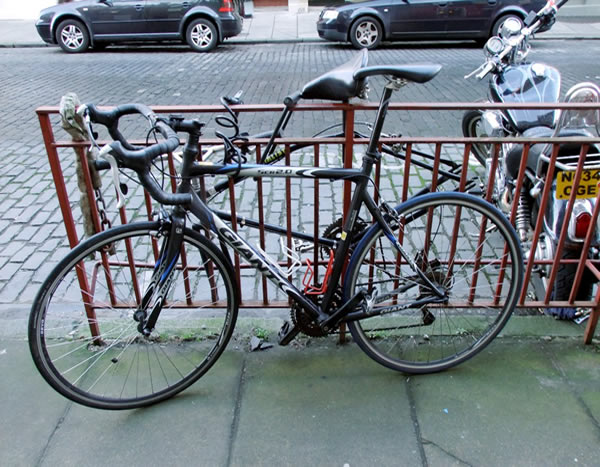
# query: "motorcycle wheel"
472,127
564,282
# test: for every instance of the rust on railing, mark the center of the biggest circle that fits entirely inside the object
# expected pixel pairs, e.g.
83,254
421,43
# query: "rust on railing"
460,146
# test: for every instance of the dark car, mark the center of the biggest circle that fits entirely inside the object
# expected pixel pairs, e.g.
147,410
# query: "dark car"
78,25
366,23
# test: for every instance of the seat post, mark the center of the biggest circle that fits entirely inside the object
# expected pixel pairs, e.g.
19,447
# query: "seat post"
344,126
379,120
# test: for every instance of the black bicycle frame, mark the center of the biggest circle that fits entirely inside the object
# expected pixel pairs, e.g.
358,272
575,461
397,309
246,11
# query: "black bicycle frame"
212,222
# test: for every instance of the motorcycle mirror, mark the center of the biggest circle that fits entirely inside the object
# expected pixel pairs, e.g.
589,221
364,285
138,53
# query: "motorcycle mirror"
530,19
573,118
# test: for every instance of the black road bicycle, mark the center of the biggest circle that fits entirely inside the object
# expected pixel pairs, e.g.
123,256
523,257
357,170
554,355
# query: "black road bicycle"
139,312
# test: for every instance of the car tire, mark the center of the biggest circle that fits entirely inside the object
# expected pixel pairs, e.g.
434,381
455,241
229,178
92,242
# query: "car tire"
72,36
201,35
501,20
366,33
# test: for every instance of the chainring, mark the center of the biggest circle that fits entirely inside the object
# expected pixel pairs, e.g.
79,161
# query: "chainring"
334,230
305,323
297,313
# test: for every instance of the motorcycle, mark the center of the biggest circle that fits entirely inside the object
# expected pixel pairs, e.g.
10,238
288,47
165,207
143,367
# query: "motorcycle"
513,80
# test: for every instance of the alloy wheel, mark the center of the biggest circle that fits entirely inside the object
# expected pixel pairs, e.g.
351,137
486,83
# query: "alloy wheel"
201,35
367,34
72,37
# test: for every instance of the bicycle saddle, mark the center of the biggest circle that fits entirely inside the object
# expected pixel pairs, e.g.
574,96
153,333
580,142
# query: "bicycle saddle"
339,84
418,72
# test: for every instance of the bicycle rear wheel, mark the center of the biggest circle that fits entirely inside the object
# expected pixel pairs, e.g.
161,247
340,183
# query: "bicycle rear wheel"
467,248
86,344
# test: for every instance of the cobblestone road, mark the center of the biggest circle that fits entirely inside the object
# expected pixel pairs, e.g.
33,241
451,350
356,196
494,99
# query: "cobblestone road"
32,237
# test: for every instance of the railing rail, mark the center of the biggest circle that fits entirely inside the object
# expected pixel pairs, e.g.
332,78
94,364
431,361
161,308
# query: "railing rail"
405,170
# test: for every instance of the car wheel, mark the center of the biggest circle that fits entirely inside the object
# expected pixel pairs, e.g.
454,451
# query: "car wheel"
202,35
366,33
72,36
500,21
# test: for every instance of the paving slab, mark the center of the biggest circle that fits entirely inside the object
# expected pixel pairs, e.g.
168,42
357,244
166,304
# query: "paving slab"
511,405
580,367
192,428
30,409
323,405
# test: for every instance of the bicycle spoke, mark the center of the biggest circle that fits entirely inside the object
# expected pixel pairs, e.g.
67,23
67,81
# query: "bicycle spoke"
94,345
403,333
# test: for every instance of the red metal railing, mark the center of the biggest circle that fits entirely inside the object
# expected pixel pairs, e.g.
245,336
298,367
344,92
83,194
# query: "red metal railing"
439,147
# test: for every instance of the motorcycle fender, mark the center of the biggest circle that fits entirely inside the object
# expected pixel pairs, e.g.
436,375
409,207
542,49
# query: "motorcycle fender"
555,218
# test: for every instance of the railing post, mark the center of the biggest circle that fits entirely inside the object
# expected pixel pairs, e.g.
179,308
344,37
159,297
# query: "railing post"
65,208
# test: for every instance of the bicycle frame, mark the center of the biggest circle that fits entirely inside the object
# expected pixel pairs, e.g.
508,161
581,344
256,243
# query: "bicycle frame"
211,221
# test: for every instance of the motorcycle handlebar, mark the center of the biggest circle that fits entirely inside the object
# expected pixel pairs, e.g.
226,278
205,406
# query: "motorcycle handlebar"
489,66
550,8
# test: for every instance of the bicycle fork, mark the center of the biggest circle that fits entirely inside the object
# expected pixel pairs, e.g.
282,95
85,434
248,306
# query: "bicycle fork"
156,293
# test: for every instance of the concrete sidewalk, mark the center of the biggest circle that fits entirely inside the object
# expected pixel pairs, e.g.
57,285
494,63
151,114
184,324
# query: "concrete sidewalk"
523,401
277,25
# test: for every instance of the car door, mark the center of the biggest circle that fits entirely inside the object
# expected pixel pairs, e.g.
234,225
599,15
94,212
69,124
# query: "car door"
117,17
418,18
164,17
469,17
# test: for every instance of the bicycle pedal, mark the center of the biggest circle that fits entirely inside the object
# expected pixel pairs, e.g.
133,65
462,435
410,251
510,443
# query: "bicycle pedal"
287,333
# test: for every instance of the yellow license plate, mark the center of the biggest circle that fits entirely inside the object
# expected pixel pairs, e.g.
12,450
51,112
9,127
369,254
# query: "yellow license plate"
587,188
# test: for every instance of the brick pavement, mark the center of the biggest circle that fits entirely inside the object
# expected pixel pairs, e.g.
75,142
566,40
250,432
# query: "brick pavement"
32,237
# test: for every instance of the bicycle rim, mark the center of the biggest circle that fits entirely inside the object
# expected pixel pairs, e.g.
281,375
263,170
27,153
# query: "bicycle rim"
87,344
466,248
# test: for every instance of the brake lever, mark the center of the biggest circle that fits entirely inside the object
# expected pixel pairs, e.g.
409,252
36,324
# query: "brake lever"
476,70
114,168
82,111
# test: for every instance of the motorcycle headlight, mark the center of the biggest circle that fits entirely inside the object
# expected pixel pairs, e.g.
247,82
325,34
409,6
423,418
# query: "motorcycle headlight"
330,14
492,123
584,118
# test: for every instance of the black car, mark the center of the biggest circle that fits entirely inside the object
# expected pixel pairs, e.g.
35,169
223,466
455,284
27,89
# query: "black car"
78,25
366,23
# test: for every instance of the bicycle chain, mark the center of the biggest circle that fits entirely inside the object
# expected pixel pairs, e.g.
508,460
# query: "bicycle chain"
101,207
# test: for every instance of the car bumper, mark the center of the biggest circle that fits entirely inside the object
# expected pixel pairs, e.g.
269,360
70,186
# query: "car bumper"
329,30
231,26
45,33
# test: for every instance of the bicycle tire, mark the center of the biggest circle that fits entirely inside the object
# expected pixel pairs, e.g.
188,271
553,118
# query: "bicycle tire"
101,360
434,337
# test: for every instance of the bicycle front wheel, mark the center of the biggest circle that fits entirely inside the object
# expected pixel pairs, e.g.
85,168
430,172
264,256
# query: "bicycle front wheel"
82,332
468,250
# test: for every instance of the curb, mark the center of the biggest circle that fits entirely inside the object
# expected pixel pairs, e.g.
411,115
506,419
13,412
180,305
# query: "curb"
28,45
